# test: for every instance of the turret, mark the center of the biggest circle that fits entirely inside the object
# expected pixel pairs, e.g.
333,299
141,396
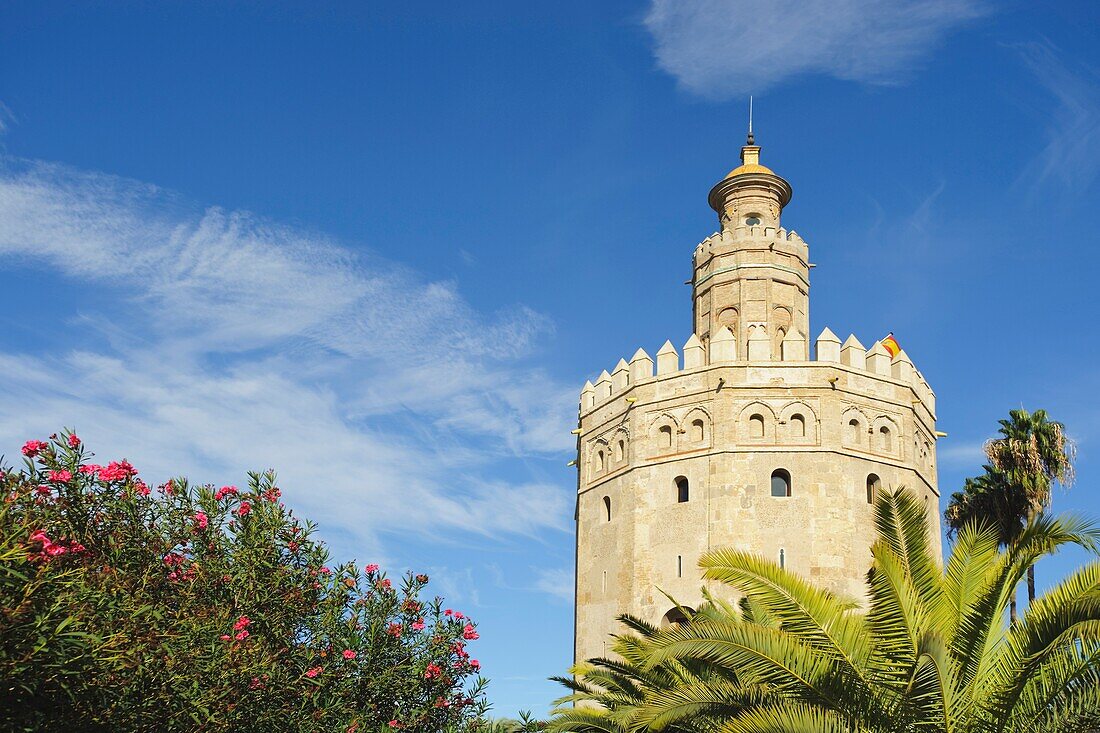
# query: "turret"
753,277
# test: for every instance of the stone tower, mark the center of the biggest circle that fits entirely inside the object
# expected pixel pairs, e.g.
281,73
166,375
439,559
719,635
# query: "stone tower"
742,439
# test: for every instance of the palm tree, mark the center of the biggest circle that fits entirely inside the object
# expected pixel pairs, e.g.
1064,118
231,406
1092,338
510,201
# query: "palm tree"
609,694
1031,453
989,498
931,652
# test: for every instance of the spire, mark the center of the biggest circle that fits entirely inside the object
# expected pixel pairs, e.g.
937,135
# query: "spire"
750,140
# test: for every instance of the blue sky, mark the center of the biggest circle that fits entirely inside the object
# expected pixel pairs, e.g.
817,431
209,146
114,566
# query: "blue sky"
380,247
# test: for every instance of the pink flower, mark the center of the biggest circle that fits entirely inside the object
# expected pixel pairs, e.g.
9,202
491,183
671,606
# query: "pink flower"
324,571
224,492
383,584
432,670
458,614
394,630
475,665
74,442
117,471
469,633
394,724
241,635
311,673
89,469
349,654
244,508
255,684
201,520
60,477
417,625
31,448
242,623
448,612
140,487
225,637
44,490
372,568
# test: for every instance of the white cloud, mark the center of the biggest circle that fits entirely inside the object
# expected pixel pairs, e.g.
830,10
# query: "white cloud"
969,455
725,48
558,582
1071,155
222,342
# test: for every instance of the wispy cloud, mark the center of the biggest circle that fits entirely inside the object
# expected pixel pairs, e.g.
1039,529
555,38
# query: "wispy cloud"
724,48
557,582
1071,155
969,455
221,341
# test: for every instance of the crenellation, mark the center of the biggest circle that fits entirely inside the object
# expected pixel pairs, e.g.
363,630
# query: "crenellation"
641,366
603,386
827,346
793,346
853,354
620,377
878,359
694,353
760,345
902,368
668,361
723,346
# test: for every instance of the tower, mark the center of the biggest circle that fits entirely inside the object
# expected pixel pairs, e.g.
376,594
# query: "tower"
743,439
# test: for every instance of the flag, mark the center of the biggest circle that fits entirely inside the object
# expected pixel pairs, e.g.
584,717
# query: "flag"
891,344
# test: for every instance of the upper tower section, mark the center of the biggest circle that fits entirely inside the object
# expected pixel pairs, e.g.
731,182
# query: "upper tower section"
753,276
751,194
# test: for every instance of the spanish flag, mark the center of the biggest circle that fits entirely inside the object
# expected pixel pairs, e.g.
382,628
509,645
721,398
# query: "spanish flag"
891,344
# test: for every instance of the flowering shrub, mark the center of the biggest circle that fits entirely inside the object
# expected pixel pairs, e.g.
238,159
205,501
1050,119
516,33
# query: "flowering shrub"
124,607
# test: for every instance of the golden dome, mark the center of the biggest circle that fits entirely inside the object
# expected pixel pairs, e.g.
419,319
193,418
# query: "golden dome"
749,168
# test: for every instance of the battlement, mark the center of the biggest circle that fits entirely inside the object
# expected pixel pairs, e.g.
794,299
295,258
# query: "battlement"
852,356
747,234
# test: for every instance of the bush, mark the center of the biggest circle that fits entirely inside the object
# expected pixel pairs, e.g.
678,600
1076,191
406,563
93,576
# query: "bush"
193,607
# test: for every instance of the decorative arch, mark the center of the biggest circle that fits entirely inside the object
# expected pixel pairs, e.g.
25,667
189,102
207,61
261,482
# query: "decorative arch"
855,423
885,436
728,317
620,446
798,423
781,326
697,425
599,455
757,422
663,433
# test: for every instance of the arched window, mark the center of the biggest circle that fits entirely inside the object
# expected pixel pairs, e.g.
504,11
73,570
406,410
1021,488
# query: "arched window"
666,436
854,432
884,439
781,483
620,450
676,616
782,558
798,426
874,485
599,460
697,431
607,507
682,493
756,426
